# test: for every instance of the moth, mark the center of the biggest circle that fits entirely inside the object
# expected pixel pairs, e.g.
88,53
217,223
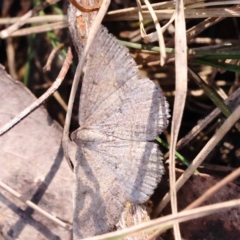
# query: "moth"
120,115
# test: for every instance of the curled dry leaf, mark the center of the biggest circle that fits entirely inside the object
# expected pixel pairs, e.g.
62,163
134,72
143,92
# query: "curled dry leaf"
32,163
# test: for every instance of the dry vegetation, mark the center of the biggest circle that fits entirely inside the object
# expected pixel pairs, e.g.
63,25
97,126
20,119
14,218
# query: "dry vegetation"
212,35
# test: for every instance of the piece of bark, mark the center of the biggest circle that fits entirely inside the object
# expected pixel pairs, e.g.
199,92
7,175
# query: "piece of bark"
32,164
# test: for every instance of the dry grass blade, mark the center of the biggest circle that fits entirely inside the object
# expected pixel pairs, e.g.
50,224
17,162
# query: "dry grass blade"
37,19
197,29
10,58
203,123
7,32
40,29
203,154
213,95
40,100
150,16
167,14
167,221
204,197
150,37
213,3
211,191
136,9
35,207
179,102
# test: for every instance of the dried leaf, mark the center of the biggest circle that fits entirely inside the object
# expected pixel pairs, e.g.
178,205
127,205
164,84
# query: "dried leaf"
32,164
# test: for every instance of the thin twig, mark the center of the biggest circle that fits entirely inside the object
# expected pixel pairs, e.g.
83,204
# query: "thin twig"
53,53
35,207
85,8
56,94
40,100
